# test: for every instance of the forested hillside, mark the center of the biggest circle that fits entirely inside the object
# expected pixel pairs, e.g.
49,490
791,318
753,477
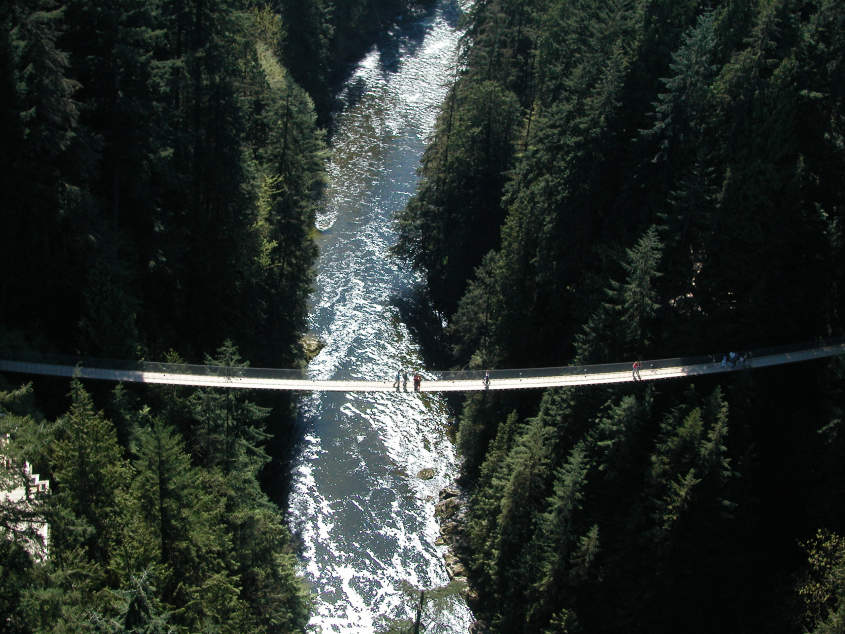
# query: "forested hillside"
162,167
161,173
638,179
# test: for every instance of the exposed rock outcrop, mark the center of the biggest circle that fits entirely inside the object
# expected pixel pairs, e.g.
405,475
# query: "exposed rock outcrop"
311,346
451,510
426,474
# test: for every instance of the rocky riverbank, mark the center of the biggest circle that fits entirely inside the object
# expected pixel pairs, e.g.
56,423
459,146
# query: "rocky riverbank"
311,346
451,511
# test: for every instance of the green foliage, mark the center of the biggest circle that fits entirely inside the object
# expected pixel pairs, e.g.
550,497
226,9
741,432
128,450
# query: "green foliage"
691,460
169,167
163,170
68,595
160,196
621,327
674,187
453,219
556,532
822,589
40,125
15,576
144,613
145,537
89,474
227,431
171,520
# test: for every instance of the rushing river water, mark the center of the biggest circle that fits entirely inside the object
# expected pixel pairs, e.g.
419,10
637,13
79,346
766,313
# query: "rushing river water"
365,516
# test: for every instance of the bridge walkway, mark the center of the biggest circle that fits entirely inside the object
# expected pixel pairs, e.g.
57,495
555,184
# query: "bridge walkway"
466,381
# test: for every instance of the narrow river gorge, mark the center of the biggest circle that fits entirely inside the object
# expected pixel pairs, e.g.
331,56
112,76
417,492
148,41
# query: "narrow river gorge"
365,516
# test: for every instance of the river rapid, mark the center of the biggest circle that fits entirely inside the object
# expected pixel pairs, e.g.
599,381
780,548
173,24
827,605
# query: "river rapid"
365,517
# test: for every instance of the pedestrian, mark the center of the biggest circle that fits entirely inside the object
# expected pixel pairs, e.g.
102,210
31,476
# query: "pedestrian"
417,382
398,374
635,371
732,358
404,380
487,380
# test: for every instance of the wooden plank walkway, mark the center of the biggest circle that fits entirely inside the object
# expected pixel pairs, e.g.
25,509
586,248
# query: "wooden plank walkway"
591,375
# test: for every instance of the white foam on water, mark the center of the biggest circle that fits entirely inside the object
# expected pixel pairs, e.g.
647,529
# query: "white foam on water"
365,518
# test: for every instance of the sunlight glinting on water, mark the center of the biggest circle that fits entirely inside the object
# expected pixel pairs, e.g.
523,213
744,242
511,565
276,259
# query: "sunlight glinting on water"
365,517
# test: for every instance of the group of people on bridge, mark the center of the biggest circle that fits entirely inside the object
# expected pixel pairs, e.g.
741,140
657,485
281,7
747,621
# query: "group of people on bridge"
402,378
733,359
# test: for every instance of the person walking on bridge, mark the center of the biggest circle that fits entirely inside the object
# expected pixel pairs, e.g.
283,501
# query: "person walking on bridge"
404,380
398,376
636,371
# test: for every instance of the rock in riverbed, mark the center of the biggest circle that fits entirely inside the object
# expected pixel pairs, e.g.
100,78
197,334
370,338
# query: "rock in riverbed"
426,474
311,346
448,492
447,509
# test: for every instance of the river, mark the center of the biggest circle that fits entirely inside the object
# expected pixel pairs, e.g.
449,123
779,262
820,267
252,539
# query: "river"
365,517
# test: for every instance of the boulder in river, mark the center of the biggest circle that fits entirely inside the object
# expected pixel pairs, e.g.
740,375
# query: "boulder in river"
454,567
447,508
311,346
449,492
426,474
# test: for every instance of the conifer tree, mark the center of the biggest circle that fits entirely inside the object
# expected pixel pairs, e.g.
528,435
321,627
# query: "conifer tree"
16,574
43,220
557,534
462,170
89,475
486,501
144,613
622,326
227,432
162,505
515,563
68,595
691,472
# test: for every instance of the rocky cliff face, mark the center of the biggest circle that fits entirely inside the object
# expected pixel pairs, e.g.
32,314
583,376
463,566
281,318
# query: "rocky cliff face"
450,510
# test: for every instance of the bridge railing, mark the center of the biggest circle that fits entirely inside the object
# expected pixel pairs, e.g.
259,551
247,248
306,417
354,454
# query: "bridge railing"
161,367
569,370
122,365
626,366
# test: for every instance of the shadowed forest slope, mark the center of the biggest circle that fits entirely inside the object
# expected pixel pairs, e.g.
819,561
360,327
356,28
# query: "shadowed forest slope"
632,179
162,168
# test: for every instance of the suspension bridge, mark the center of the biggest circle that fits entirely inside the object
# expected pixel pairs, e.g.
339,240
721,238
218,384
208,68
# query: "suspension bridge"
456,381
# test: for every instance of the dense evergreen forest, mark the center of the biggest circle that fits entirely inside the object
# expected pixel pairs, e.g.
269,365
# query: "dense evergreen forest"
162,163
628,179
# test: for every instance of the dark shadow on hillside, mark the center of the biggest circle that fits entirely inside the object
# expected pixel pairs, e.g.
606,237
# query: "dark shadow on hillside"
287,432
425,326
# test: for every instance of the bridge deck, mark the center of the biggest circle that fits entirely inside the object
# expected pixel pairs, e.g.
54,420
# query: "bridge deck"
589,375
